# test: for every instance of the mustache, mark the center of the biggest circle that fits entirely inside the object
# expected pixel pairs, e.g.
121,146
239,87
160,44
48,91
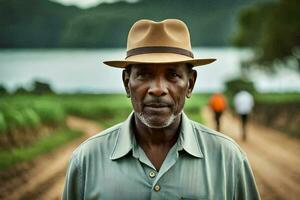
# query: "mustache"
157,102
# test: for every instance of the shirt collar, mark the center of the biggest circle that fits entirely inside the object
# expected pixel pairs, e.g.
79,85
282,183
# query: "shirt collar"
188,139
126,140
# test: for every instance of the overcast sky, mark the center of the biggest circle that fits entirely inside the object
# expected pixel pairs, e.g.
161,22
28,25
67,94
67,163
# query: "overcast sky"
87,3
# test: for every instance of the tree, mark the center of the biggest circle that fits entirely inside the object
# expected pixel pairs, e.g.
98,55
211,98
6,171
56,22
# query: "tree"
41,88
273,30
21,90
235,85
3,90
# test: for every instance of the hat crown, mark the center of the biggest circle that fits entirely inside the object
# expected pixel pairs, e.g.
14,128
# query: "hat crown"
167,33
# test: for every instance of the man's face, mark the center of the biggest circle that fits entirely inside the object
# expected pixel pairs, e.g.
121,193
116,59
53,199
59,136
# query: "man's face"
158,91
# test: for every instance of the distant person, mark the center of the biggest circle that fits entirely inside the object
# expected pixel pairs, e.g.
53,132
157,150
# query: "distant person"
217,104
243,103
158,152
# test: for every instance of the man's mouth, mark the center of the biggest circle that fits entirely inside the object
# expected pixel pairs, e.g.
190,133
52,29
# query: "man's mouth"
157,105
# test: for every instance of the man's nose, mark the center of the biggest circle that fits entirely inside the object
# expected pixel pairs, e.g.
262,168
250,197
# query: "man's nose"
158,87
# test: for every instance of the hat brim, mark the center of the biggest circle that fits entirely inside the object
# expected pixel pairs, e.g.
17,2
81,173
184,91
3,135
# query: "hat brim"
158,58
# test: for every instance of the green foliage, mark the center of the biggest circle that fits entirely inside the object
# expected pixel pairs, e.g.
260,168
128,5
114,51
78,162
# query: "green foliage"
15,119
235,85
32,23
277,98
3,125
32,119
50,112
251,21
107,109
194,105
40,87
42,23
21,90
273,30
59,137
3,90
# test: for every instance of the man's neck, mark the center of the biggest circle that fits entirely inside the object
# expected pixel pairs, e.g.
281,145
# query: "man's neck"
156,142
156,137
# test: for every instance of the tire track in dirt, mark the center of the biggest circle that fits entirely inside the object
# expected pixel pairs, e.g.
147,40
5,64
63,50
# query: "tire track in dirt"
43,178
274,157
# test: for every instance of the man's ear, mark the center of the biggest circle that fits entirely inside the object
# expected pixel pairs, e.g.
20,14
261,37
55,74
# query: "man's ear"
125,78
191,83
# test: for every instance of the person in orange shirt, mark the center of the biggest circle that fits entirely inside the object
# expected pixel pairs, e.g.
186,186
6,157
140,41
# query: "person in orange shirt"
217,104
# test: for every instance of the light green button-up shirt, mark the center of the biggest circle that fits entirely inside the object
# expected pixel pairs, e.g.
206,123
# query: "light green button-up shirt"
203,164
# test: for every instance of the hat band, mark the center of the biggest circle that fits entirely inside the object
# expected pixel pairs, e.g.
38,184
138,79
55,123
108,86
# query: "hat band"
159,49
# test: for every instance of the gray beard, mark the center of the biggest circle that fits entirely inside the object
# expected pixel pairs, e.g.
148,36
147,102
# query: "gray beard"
144,120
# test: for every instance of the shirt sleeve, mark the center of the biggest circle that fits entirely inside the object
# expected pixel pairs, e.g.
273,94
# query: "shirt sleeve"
246,188
73,189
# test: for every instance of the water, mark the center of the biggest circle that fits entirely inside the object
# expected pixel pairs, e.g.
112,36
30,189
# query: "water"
83,70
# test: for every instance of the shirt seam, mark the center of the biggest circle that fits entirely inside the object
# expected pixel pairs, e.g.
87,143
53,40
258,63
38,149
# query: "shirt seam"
241,164
198,145
101,134
222,137
116,143
76,162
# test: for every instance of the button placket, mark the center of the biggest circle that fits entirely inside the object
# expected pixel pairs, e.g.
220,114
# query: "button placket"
152,174
157,188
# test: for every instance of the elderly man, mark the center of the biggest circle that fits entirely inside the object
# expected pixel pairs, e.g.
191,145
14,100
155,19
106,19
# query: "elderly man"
158,153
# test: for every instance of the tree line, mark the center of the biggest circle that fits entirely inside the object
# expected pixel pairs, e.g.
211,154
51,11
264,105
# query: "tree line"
38,87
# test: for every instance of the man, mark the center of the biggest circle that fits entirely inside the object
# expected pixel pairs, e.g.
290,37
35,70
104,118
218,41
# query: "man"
243,103
217,104
158,153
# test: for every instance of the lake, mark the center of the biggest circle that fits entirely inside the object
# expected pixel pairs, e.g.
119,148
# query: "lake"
70,70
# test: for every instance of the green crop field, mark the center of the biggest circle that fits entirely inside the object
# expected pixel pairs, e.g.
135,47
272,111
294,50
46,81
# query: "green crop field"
278,98
22,116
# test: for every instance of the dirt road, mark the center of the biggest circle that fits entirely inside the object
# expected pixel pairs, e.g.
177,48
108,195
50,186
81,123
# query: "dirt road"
43,178
274,157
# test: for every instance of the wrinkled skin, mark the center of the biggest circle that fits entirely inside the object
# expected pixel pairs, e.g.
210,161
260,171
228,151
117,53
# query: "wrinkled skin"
158,92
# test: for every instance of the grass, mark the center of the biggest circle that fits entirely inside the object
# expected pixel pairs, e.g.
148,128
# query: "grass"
54,140
277,98
194,105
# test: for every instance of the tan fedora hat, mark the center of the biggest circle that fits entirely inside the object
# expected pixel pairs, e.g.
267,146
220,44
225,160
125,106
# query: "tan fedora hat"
167,41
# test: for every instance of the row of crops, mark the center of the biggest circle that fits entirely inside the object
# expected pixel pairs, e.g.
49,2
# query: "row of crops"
24,117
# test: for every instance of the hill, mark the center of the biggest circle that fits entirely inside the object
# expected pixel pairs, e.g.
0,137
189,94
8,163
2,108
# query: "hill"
46,24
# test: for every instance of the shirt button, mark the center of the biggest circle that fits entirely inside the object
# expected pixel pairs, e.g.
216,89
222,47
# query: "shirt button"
157,188
152,174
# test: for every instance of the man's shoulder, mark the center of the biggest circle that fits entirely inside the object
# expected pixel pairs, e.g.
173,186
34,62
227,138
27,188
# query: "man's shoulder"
213,140
108,133
101,143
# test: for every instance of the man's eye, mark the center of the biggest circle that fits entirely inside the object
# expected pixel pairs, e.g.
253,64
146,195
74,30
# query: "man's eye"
142,75
175,75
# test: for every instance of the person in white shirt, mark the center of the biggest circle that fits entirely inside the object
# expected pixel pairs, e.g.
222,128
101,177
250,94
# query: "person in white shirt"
243,103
